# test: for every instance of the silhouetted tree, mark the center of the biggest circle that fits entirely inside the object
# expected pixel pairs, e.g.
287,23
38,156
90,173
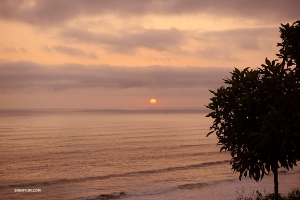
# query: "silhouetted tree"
290,45
257,115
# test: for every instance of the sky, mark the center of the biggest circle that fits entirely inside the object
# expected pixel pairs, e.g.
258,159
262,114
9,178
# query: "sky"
94,54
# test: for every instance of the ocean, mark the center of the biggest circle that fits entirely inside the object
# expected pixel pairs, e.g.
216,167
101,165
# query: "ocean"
132,154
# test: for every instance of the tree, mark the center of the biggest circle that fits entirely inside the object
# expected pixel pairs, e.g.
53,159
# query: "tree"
290,45
257,115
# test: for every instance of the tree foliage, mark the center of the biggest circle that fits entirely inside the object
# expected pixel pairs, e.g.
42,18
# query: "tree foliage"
290,45
257,114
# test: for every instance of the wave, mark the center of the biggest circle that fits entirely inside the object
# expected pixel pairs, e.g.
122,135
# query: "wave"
157,191
186,155
205,184
136,173
135,146
104,196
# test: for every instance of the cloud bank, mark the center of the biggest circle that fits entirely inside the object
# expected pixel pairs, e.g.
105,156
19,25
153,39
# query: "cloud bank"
124,42
54,12
28,75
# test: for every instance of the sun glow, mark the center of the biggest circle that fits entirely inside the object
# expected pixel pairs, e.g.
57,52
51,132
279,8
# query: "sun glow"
153,101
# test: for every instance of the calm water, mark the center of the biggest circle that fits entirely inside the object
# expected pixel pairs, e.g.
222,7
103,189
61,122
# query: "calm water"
147,154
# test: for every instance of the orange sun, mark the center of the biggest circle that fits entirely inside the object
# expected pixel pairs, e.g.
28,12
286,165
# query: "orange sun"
153,101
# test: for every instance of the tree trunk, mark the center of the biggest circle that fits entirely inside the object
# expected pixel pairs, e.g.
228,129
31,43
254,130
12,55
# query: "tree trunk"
275,171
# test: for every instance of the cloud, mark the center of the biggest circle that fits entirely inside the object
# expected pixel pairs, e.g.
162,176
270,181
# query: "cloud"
55,12
220,45
227,43
28,75
46,48
22,49
9,50
6,49
127,41
74,52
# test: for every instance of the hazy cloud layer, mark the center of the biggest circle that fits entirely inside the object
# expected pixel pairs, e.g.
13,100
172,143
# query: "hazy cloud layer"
127,41
228,43
211,44
244,38
29,75
57,11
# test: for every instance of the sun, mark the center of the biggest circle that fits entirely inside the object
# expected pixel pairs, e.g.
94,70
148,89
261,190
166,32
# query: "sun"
153,101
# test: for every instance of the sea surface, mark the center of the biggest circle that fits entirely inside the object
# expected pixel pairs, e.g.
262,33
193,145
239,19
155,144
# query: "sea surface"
132,154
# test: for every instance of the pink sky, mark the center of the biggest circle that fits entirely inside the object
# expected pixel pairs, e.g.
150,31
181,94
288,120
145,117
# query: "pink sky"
114,54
